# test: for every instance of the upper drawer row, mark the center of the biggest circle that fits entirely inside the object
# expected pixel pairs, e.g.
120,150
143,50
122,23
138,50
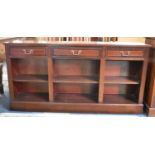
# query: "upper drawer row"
77,52
27,51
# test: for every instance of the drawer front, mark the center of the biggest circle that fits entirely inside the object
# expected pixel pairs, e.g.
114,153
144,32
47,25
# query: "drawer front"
28,51
125,53
77,52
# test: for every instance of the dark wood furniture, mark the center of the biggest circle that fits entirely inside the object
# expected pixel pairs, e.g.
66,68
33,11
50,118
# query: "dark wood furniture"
150,84
1,86
77,77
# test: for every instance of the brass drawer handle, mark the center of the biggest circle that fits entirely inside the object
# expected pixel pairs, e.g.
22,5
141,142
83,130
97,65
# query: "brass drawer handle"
28,51
125,53
76,52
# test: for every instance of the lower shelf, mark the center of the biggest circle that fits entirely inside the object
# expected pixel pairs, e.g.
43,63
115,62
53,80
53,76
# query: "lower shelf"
76,103
76,79
120,80
75,98
38,97
118,99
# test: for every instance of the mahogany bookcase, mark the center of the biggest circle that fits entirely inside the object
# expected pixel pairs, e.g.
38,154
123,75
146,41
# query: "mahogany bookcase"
77,77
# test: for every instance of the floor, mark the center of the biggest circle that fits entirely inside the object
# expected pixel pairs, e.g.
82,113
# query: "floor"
4,99
4,105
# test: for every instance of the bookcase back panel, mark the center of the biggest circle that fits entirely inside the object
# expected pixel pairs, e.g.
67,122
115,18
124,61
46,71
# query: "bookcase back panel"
121,89
76,67
30,66
76,88
30,87
123,68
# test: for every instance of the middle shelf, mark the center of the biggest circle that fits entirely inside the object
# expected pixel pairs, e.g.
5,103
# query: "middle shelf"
120,80
76,79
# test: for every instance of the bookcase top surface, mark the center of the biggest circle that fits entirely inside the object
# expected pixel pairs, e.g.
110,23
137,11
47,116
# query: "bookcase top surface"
76,43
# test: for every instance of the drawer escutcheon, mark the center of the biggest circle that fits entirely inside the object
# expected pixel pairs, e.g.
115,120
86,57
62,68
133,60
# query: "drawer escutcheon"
76,52
125,53
28,51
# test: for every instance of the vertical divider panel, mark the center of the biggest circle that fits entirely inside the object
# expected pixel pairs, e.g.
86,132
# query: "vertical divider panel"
150,90
50,74
143,77
101,76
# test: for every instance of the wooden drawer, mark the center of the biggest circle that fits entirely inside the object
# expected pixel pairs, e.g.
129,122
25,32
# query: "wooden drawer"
77,52
125,53
28,51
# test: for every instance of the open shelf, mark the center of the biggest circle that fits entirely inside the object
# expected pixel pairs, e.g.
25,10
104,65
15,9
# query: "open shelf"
76,79
30,78
118,99
123,72
73,70
75,92
75,98
120,80
121,94
29,69
32,97
28,91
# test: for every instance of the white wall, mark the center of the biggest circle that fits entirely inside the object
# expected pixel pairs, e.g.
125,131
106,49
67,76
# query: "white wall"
131,39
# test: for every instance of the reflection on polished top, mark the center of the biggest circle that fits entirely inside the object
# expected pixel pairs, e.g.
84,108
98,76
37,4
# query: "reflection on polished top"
78,43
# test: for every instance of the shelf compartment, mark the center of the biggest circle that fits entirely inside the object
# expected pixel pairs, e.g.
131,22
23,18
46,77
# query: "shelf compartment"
124,94
27,91
31,97
30,87
74,67
76,79
123,72
74,98
30,78
73,92
120,80
118,99
29,66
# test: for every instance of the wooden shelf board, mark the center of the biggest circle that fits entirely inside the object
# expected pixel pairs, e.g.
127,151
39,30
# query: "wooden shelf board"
118,99
40,97
76,79
74,98
120,80
30,78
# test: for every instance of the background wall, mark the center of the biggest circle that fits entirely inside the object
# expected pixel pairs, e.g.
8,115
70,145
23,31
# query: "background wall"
131,39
